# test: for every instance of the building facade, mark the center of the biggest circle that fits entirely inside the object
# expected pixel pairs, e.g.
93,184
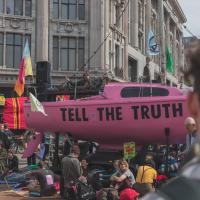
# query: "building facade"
99,36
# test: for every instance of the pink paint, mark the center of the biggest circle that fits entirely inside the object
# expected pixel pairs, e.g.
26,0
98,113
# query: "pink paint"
111,119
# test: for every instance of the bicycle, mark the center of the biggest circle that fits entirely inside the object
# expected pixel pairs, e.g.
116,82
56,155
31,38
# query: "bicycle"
17,145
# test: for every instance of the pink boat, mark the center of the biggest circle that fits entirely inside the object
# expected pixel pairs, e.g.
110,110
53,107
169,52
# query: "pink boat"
124,112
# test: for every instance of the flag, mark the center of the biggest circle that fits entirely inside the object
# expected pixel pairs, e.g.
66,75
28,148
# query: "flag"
25,69
153,47
169,61
36,106
13,113
27,57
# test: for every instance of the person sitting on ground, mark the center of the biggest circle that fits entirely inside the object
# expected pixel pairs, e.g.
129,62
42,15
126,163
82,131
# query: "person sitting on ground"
145,178
42,181
120,180
123,173
12,162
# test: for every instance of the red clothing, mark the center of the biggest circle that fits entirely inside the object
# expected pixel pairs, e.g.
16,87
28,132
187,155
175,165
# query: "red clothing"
128,194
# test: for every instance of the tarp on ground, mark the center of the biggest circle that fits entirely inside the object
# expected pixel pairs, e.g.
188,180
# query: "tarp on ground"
13,113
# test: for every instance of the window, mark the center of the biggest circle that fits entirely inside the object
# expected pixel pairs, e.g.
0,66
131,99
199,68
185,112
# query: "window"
28,8
15,7
55,9
129,92
110,54
55,53
14,49
117,16
69,53
18,8
10,7
81,53
1,6
117,56
69,9
1,49
81,9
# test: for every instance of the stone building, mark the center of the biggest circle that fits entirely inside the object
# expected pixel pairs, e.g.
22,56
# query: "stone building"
100,36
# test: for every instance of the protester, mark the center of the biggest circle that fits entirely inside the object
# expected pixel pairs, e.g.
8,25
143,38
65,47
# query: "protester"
84,166
3,157
31,160
71,171
129,194
8,132
191,136
123,173
186,185
68,143
12,162
4,138
42,181
122,179
146,177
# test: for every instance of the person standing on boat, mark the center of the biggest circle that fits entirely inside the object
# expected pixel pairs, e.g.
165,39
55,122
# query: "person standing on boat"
186,185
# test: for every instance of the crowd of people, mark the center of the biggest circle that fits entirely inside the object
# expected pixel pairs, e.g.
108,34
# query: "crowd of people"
131,180
138,178
8,161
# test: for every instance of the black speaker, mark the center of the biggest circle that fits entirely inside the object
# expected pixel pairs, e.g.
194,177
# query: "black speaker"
43,73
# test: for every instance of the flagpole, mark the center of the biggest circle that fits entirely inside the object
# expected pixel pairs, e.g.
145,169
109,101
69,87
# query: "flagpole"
75,89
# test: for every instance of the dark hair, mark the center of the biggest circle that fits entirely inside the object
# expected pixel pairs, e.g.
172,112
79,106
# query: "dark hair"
5,125
150,163
194,70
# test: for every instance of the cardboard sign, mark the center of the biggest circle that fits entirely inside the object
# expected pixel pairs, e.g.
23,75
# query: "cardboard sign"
129,150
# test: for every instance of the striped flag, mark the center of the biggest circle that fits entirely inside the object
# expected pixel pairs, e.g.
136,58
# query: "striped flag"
25,69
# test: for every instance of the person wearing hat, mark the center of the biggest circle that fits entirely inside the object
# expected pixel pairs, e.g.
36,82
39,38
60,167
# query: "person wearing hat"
129,194
71,171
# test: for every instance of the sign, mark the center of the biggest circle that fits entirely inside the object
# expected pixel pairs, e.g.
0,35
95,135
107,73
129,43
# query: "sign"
2,101
62,97
129,150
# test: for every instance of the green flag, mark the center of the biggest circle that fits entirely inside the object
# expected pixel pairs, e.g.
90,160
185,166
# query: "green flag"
169,61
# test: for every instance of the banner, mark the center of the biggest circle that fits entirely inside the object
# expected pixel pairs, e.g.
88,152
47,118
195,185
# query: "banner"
13,113
129,150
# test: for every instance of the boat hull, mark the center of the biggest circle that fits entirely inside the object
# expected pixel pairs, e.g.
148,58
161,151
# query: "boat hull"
108,122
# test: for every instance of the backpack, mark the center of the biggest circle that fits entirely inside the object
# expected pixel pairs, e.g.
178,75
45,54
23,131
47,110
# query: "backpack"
84,191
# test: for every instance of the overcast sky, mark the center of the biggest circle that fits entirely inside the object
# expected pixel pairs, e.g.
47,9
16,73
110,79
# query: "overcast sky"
191,9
